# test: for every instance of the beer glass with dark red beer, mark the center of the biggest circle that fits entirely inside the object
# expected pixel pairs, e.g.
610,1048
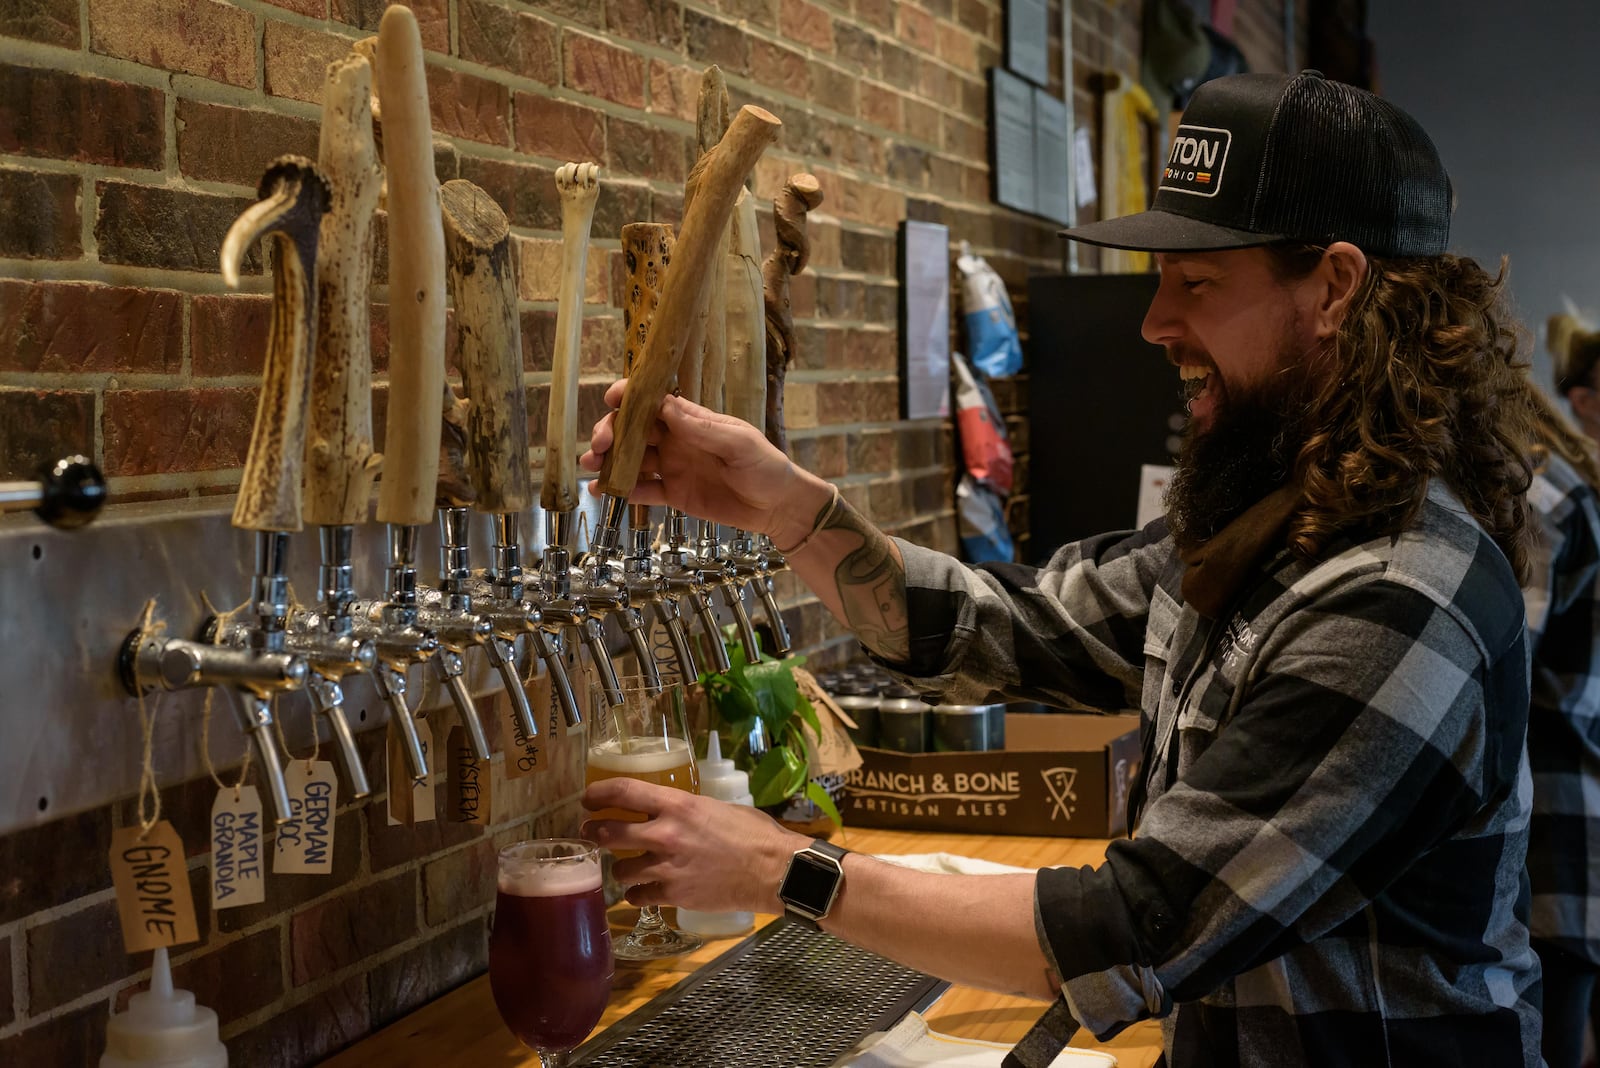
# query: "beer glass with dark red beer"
549,947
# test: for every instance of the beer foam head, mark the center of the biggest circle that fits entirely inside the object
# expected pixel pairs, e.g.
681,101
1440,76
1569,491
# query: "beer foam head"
550,879
645,755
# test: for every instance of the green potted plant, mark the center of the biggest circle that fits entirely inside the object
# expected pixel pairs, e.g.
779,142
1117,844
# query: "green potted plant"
763,719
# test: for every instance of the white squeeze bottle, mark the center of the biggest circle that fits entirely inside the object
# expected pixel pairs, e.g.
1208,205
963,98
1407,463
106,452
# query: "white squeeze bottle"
721,780
163,1028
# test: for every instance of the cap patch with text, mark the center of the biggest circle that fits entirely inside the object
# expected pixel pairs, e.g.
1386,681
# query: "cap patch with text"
1195,163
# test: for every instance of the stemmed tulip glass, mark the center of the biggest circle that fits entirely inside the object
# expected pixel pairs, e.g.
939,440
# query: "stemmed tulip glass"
549,945
646,738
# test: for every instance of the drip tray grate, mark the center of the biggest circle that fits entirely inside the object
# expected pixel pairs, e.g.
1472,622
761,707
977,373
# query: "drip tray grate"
786,997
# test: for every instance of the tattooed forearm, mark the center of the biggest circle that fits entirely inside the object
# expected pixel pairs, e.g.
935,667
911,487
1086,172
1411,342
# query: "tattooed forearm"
871,581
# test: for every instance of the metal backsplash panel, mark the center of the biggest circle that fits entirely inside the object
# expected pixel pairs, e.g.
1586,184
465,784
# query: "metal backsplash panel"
69,733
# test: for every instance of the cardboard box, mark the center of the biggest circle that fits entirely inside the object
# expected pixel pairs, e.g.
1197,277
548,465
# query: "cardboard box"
1061,774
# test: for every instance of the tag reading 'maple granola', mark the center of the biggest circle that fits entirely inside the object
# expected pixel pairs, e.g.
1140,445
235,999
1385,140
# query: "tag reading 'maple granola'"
238,867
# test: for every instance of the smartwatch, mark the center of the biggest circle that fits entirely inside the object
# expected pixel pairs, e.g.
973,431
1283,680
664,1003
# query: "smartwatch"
812,883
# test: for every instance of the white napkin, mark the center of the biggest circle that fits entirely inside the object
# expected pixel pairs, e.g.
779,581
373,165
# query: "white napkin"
910,1044
949,864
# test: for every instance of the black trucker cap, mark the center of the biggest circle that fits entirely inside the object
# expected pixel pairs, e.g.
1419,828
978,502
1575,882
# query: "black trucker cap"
1263,158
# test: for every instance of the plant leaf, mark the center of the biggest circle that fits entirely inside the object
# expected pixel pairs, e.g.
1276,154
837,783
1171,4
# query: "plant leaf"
819,797
778,777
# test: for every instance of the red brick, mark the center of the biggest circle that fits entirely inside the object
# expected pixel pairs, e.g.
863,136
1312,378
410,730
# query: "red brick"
465,105
917,28
666,207
866,251
589,13
149,226
908,164
871,350
957,47
433,18
597,67
711,40
526,192
459,882
308,1032
602,348
674,90
37,427
538,340
157,431
317,9
296,59
513,41
558,129
871,450
762,13
74,1040
207,38
622,203
389,846
969,139
41,216
71,955
646,150
782,68
42,866
805,23
232,981
879,13
226,144
657,22
900,66
69,116
356,924
974,15
883,304
51,22
420,975
289,892
840,89
228,334
858,49
76,327
879,105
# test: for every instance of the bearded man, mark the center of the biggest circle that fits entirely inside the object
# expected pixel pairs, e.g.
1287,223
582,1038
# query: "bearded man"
1325,636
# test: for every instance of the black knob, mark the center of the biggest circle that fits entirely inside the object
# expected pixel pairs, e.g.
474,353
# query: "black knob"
72,491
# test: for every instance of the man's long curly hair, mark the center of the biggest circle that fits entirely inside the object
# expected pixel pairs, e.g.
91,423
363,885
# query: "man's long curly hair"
1426,384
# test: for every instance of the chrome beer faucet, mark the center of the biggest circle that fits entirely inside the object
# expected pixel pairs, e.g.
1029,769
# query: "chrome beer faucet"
604,587
562,607
394,628
681,570
647,585
720,571
448,612
752,561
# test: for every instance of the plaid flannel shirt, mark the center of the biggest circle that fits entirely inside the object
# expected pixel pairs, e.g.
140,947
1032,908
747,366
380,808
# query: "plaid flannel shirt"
1329,868
1563,599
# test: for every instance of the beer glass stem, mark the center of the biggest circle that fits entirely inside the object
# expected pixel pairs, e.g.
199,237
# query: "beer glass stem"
555,1058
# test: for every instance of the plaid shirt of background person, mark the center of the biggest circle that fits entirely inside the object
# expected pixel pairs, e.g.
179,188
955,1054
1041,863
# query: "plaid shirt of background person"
1329,866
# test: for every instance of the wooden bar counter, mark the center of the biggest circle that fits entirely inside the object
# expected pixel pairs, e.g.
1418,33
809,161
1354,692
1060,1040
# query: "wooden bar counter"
463,1027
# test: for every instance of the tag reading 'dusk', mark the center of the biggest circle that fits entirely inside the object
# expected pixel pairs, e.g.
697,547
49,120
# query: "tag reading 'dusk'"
305,844
238,869
152,881
409,802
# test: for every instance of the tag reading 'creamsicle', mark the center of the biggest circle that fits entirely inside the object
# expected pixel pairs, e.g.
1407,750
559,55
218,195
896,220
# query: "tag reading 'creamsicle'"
409,802
525,755
469,781
153,899
238,867
305,844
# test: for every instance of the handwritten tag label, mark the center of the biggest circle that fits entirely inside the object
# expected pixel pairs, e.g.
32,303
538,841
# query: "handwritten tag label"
238,874
469,781
409,802
305,844
525,755
152,881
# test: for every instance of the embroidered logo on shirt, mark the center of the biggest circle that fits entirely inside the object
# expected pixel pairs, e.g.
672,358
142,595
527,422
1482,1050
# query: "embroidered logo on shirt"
1237,643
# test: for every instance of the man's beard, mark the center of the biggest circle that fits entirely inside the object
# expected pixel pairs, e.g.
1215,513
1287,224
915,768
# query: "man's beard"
1248,452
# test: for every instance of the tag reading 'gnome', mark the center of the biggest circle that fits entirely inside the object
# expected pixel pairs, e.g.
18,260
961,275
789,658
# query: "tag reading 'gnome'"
409,802
305,843
469,800
152,881
238,868
525,755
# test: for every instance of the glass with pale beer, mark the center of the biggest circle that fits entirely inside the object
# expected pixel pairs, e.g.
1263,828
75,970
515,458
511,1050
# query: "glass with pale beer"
645,738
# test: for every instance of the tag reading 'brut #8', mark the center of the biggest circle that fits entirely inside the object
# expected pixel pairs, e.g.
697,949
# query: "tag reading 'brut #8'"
409,802
238,873
525,755
469,781
305,843
152,881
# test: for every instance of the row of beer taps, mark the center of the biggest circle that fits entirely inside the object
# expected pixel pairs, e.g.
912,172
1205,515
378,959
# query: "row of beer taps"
312,460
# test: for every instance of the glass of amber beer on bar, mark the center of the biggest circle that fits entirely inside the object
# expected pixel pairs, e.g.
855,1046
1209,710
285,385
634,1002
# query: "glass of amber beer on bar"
550,946
646,738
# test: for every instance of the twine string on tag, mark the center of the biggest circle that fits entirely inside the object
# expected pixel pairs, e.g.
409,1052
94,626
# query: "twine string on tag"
149,794
223,620
581,536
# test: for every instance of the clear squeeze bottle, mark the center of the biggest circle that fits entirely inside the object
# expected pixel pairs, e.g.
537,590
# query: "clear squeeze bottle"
163,1028
721,780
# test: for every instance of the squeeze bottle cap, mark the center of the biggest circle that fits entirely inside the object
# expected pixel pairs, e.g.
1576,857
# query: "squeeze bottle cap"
719,778
163,1028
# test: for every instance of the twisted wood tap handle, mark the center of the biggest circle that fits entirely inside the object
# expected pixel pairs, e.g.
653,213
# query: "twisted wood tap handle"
801,194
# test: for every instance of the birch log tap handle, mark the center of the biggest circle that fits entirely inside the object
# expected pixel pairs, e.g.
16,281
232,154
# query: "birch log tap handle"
293,199
579,186
722,175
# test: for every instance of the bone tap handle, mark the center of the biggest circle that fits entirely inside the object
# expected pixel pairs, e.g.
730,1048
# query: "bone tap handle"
340,461
483,285
579,187
801,194
722,174
293,198
416,277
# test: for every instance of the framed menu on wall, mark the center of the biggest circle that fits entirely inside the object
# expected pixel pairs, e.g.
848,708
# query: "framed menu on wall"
1011,120
1052,158
1028,39
924,320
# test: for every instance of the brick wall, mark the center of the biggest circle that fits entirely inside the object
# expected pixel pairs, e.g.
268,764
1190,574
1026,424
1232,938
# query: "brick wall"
132,132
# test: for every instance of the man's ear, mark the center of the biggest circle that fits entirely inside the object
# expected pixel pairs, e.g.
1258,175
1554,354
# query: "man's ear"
1585,404
1337,280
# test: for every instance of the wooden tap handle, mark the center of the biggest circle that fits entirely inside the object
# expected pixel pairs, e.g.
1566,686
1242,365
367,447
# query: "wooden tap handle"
704,367
723,172
483,286
801,194
340,461
416,277
747,331
646,253
579,186
293,199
